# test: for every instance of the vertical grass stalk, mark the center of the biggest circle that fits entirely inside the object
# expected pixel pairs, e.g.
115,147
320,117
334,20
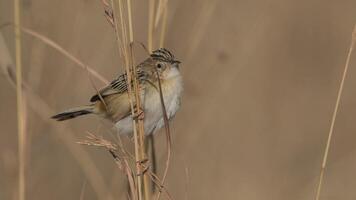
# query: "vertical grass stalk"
133,87
140,124
163,27
336,108
20,102
151,11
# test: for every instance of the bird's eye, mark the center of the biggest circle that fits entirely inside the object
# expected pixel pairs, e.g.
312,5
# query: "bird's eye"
159,66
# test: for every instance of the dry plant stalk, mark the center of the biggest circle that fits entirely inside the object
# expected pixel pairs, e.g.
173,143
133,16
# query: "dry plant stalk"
39,106
125,41
141,132
60,49
121,158
168,138
158,183
199,28
65,53
161,4
81,197
336,108
162,11
20,103
163,27
133,87
151,11
121,161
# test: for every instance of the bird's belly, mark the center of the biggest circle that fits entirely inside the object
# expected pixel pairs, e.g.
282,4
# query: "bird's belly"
153,117
153,110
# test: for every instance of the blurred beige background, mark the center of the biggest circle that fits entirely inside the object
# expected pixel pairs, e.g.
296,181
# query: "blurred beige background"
261,80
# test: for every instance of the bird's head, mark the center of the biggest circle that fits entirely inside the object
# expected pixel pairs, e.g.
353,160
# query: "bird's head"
161,61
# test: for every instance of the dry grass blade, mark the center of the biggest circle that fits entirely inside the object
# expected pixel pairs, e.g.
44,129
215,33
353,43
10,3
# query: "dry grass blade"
82,193
151,11
124,52
159,184
140,124
336,108
168,135
162,10
81,156
93,140
43,110
105,3
130,177
130,22
64,52
20,103
108,13
109,17
139,111
202,23
162,4
132,83
124,42
121,161
186,169
141,130
96,89
163,27
6,62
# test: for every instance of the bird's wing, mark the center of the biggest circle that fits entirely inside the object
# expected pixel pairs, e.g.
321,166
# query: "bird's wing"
117,86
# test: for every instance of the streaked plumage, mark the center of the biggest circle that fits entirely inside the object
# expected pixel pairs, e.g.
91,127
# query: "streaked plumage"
117,108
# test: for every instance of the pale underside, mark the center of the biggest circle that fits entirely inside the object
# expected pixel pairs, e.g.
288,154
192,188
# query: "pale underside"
118,106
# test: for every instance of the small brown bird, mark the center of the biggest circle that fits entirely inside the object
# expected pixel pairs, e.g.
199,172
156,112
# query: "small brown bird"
113,102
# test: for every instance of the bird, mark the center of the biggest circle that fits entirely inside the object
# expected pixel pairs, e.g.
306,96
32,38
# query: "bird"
112,102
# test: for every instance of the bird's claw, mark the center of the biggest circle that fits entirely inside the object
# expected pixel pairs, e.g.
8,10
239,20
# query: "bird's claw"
143,166
139,115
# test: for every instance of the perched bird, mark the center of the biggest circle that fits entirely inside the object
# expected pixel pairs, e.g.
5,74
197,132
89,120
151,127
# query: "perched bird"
113,101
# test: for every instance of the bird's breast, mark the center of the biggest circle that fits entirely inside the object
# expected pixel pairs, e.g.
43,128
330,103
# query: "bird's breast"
153,119
171,91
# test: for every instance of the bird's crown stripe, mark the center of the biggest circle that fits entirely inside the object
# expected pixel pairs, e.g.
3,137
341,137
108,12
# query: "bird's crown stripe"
162,54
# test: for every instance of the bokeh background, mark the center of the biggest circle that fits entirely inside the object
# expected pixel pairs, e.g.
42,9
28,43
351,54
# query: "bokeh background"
261,79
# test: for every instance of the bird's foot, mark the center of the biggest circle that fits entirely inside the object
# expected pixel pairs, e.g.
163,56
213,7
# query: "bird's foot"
139,115
144,166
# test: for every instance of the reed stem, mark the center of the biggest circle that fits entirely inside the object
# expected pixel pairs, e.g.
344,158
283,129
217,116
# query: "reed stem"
151,9
133,89
20,102
336,108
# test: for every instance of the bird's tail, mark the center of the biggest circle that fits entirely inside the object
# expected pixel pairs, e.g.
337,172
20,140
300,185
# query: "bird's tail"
74,112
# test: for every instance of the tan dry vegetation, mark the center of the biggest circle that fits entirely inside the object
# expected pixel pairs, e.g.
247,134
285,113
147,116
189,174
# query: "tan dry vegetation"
261,79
